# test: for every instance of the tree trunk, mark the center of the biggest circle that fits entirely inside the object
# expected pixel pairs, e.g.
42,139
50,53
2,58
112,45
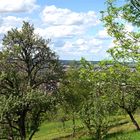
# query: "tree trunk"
63,123
133,120
36,117
31,136
98,133
73,122
21,123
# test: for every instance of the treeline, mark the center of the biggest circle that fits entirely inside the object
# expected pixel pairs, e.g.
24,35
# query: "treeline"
34,87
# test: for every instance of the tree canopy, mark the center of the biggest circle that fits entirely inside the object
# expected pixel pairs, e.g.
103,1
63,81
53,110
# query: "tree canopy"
29,74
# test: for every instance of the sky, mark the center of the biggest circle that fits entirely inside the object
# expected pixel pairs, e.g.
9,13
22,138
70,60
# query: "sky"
73,26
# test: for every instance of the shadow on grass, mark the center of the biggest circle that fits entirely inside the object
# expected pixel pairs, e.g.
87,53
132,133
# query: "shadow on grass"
115,134
78,133
121,135
81,134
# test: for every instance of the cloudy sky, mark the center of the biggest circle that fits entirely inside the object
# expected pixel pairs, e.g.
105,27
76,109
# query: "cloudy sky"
74,26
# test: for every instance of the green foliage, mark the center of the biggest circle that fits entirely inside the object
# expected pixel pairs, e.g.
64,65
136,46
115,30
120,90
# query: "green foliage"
95,94
29,74
131,12
125,88
104,91
97,108
69,95
126,42
124,77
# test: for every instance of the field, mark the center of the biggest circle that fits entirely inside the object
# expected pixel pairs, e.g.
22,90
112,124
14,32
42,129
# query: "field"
56,131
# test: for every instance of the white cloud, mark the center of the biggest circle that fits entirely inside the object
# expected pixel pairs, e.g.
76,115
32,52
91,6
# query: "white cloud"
80,47
10,22
17,5
65,23
102,34
60,31
68,30
129,27
6,23
4,29
52,15
111,45
13,21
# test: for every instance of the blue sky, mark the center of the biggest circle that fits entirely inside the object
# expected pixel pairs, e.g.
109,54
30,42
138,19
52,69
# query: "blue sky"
76,5
73,26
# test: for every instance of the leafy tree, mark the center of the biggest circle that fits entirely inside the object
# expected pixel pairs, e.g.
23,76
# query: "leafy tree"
97,108
126,49
132,11
70,94
29,74
125,89
135,4
126,43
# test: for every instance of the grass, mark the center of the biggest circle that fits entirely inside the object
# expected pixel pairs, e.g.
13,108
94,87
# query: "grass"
132,135
55,131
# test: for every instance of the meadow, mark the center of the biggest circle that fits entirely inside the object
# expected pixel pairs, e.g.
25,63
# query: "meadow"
55,131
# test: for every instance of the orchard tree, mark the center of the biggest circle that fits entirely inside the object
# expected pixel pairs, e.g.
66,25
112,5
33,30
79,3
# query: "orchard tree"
30,54
69,94
83,92
29,73
126,42
124,89
96,109
126,49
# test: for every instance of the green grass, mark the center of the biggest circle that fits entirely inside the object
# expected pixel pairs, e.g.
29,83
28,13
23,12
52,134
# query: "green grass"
132,135
55,131
119,136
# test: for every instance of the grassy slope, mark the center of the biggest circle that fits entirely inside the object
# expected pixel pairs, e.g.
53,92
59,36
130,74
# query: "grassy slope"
54,130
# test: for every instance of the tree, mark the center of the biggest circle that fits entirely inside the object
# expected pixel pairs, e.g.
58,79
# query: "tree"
126,43
29,74
126,49
97,109
69,94
82,92
132,10
135,4
125,89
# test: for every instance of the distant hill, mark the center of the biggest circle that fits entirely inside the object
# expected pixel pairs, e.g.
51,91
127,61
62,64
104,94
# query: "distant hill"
68,62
